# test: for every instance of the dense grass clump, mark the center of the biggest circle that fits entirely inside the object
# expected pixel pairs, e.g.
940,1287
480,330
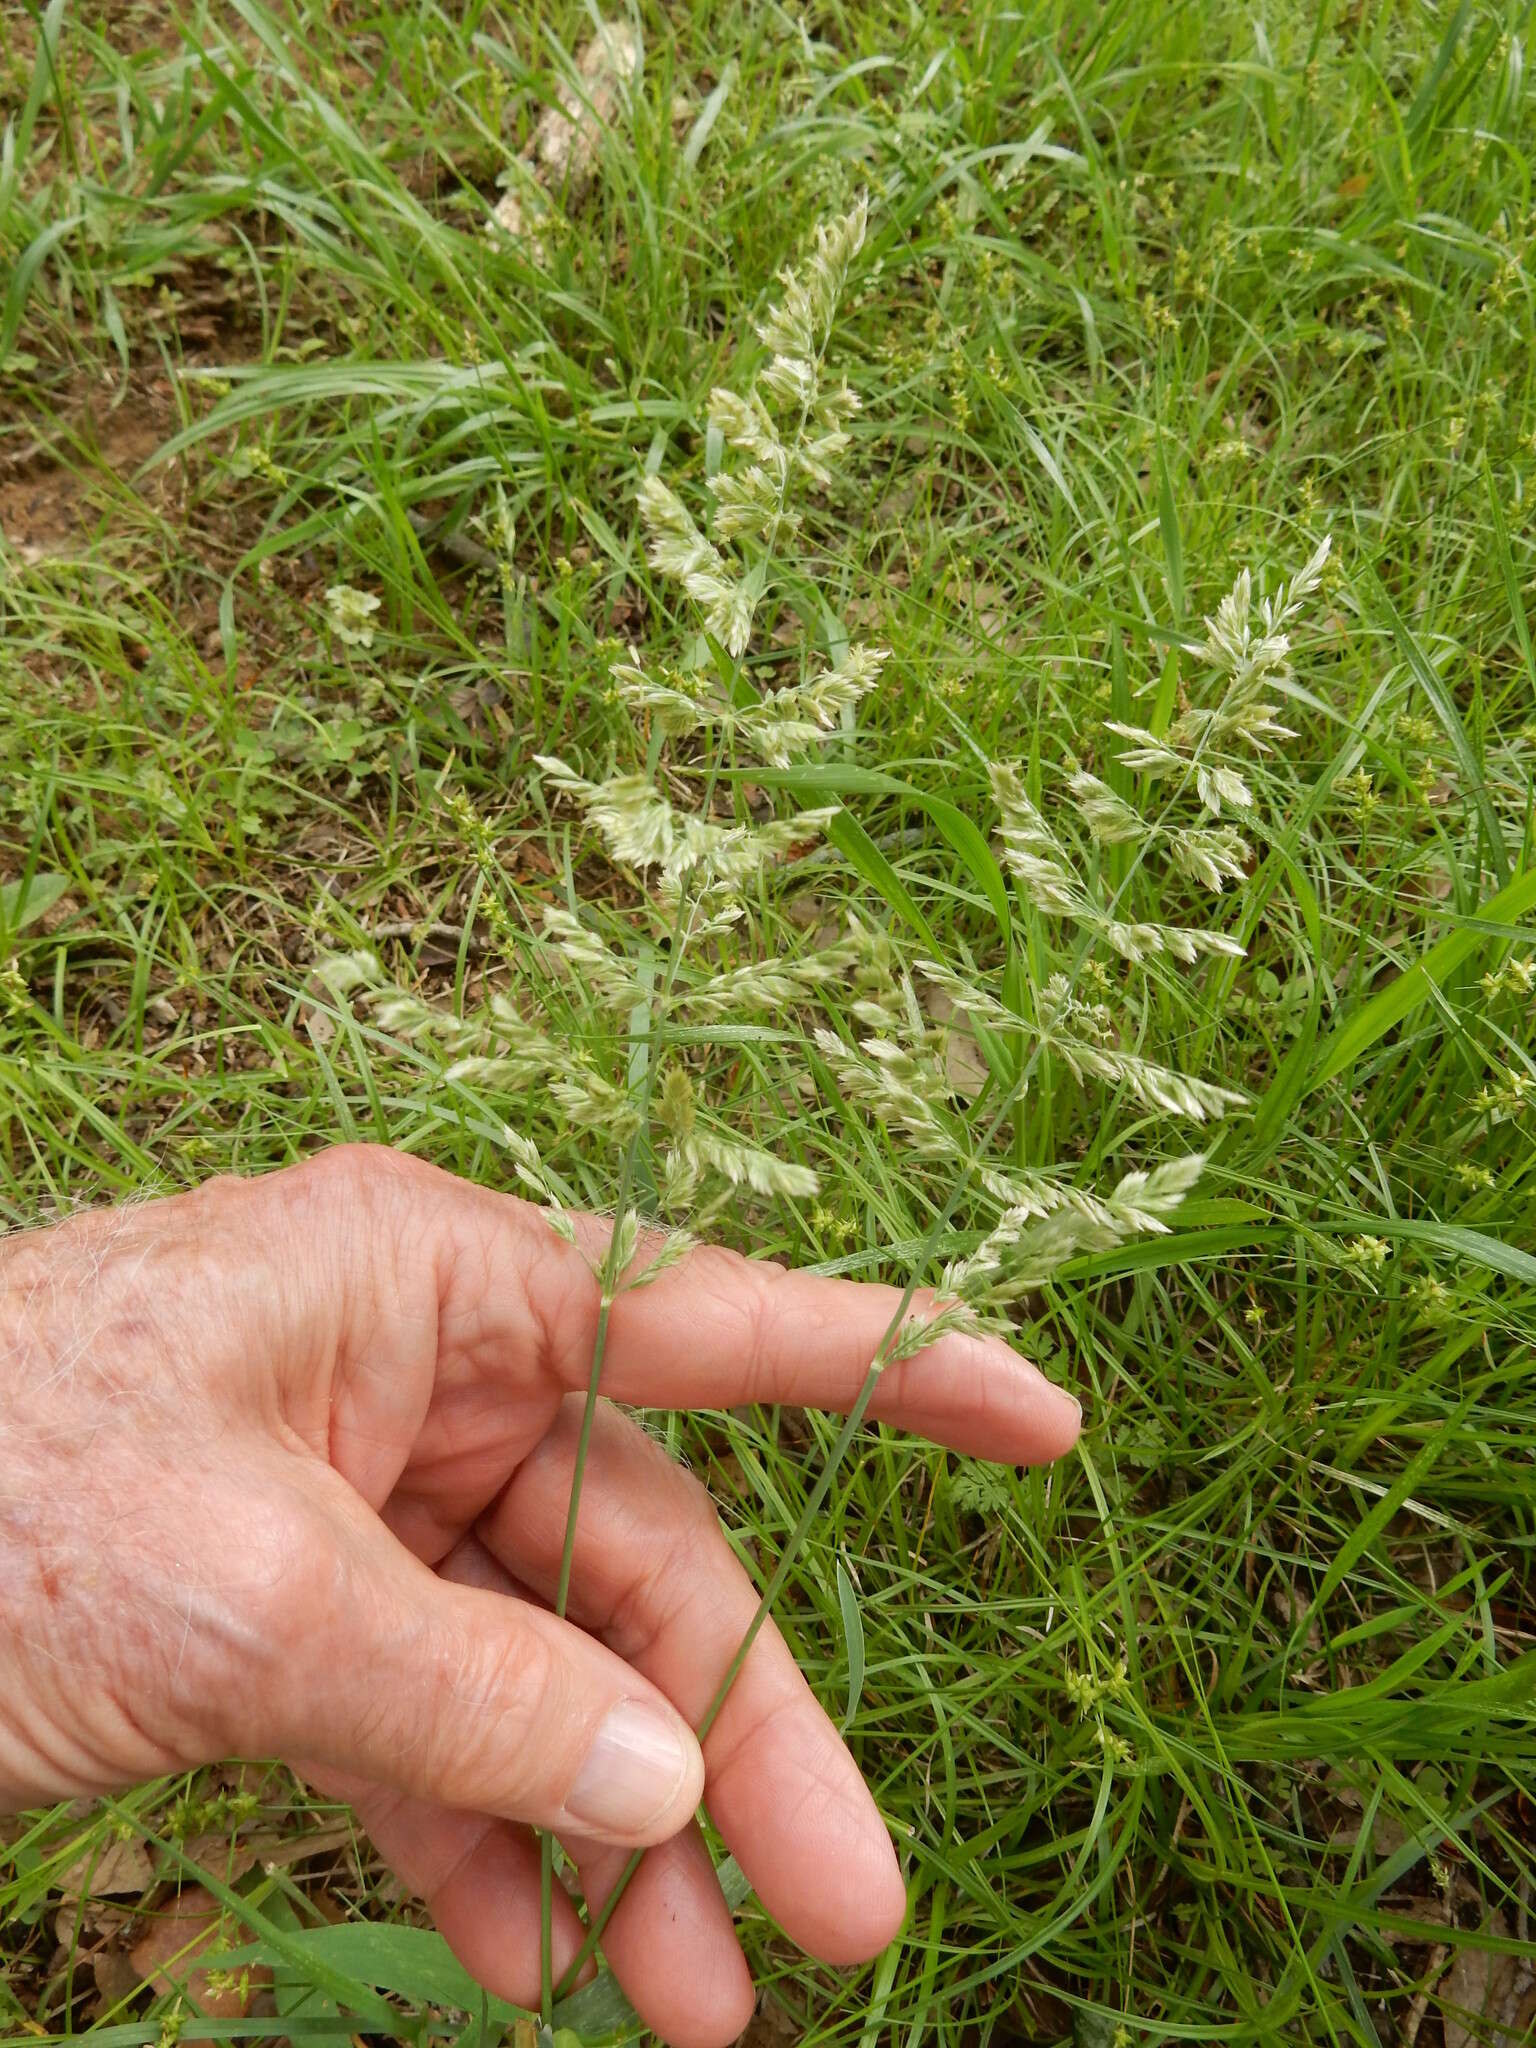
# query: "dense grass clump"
1000,760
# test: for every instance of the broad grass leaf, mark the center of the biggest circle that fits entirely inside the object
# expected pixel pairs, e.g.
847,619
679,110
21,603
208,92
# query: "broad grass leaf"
23,902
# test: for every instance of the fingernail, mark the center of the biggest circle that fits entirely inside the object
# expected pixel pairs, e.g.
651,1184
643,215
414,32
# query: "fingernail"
1058,1394
1067,1401
633,1772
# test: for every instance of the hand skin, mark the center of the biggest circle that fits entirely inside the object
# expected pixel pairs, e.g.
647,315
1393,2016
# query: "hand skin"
284,1470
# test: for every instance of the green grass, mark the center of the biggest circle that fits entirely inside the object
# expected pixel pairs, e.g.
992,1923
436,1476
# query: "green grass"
1149,296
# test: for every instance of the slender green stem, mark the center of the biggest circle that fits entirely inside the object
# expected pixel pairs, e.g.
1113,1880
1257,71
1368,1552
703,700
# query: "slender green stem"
562,1597
610,1277
589,1410
546,1928
548,1991
813,1506
815,1501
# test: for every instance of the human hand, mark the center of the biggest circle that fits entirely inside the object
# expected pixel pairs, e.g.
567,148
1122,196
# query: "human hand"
284,1471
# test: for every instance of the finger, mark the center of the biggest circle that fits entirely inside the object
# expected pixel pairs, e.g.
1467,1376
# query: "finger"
368,1662
479,1281
762,1332
477,1876
653,1575
670,1942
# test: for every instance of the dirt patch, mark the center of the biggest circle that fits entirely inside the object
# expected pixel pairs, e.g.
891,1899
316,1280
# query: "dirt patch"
137,28
69,474
770,2026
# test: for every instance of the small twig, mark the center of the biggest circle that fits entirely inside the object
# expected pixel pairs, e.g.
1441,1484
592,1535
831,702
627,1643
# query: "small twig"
457,545
427,928
1440,1955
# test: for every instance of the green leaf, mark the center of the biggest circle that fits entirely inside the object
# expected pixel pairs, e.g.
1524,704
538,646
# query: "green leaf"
296,1998
1420,115
45,75
853,1635
974,851
1400,998
840,778
412,1962
1173,542
24,275
275,1945
1176,1248
708,115
1371,1524
23,902
1272,1111
599,2012
1517,615
860,851
1433,685
1464,1243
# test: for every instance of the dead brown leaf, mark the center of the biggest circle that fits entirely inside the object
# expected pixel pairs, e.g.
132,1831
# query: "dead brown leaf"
187,1927
301,1848
770,2027
1487,1999
117,1869
78,1922
964,1066
561,156
116,1977
224,1859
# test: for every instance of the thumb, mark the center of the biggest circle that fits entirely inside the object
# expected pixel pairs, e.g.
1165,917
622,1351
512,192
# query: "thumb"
467,1697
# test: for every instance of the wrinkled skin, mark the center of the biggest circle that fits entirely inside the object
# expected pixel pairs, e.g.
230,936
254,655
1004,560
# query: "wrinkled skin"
284,1468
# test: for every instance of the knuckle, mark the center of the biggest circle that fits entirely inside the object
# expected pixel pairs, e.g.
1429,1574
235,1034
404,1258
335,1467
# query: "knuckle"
361,1171
764,1346
220,1193
349,1202
506,1695
738,1742
513,1676
743,1299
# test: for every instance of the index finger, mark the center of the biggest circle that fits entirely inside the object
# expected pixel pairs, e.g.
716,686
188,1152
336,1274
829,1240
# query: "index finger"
719,1329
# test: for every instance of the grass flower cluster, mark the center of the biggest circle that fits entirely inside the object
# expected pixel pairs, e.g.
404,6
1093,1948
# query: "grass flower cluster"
690,949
